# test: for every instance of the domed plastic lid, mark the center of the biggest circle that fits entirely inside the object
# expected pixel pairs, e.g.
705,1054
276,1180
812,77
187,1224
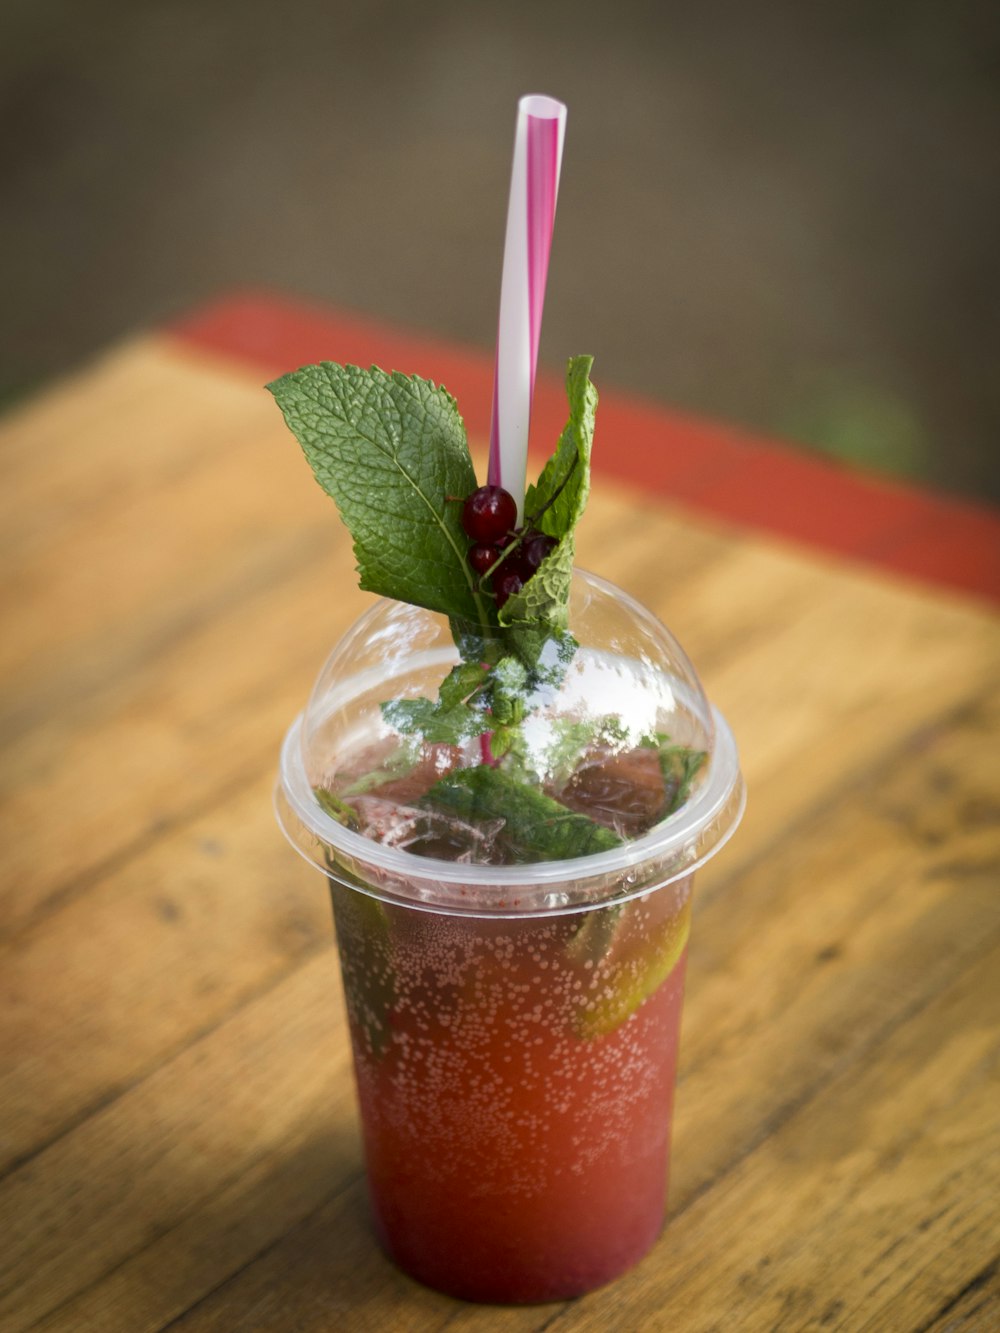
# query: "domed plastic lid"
622,735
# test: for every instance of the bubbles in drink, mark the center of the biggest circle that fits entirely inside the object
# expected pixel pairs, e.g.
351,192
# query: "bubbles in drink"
506,1099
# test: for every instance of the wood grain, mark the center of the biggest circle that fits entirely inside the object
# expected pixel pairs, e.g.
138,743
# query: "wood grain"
178,1140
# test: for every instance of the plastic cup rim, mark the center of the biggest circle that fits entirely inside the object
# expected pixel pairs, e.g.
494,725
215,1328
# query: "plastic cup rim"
670,836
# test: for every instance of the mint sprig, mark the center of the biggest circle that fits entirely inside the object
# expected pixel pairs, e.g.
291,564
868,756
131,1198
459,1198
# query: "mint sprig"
391,450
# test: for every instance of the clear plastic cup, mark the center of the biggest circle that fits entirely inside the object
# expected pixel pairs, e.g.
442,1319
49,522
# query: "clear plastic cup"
515,1028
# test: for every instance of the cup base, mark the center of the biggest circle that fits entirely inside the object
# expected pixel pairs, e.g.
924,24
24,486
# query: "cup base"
513,1282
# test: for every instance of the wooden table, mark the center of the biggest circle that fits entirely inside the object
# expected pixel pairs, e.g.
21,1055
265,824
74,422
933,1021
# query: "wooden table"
178,1139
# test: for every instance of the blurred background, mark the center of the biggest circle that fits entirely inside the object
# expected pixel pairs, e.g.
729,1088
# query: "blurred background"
782,215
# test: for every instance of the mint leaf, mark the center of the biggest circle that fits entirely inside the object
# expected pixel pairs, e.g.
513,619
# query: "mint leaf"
390,449
396,765
680,765
541,606
431,722
453,718
509,689
557,500
554,505
340,810
536,828
462,683
551,749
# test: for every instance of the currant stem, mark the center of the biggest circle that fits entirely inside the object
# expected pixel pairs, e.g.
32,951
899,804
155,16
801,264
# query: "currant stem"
558,490
505,552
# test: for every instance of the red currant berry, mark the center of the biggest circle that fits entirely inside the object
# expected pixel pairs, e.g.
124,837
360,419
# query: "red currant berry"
535,547
517,564
483,558
488,514
506,583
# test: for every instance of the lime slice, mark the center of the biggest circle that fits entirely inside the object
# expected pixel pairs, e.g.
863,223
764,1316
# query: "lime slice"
630,965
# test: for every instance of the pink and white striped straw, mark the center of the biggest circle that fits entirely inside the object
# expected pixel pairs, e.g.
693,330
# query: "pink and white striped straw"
534,184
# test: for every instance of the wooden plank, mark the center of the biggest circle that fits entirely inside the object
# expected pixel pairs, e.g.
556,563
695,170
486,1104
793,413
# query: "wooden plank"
246,1131
806,958
159,952
149,553
106,438
221,487
971,1309
330,1271
165,734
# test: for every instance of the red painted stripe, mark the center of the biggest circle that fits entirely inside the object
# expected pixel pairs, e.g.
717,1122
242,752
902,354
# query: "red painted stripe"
710,467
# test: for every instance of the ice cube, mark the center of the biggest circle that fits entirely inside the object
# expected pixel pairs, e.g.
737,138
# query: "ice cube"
622,791
433,833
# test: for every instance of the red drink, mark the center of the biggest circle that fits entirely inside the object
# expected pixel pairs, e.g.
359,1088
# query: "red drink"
514,1012
516,1082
